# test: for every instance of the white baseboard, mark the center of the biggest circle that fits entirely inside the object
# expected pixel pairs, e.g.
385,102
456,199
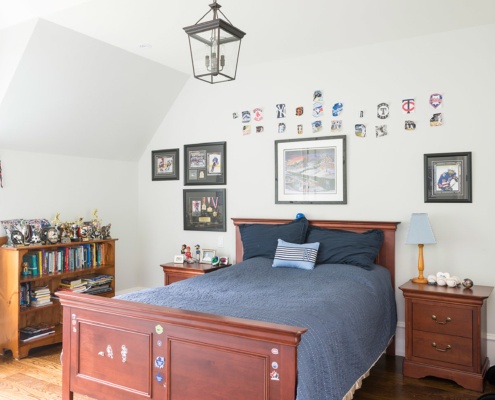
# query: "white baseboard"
400,343
134,289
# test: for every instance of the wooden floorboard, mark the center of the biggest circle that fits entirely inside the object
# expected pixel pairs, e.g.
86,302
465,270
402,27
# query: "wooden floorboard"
39,377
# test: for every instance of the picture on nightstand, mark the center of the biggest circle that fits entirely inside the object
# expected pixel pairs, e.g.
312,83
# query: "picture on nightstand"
179,259
207,255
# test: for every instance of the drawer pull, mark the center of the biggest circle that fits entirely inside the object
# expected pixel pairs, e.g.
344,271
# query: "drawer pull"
434,318
449,347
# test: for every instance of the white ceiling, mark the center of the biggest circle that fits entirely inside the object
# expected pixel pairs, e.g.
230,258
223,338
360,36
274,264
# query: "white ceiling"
65,79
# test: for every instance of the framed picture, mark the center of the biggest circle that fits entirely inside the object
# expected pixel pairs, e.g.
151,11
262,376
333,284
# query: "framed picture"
204,210
205,164
207,255
179,259
165,164
447,178
311,171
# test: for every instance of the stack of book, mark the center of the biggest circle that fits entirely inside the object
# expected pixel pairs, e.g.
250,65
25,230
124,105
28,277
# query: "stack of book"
40,296
36,331
72,285
96,284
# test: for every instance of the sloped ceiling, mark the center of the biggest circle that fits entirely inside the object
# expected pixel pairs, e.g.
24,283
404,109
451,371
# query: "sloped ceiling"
95,78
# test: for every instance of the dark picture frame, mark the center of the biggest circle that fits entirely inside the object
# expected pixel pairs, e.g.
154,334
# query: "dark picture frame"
205,210
311,171
205,164
165,165
448,178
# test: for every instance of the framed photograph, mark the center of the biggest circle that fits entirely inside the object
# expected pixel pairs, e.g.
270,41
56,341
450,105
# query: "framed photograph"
447,178
204,210
206,256
311,171
179,259
205,164
165,165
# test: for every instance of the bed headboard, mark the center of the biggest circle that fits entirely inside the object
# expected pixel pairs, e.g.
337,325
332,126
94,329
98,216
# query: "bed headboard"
386,257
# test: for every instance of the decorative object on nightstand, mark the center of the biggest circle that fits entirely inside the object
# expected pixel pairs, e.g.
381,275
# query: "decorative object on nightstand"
420,233
446,333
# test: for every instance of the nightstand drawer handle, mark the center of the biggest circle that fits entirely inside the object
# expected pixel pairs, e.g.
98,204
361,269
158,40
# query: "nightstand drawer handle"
434,318
449,347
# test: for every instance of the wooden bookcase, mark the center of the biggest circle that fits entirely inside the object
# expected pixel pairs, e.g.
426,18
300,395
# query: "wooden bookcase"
13,316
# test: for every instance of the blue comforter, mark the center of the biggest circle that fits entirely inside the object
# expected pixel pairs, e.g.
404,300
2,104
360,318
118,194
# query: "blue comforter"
350,314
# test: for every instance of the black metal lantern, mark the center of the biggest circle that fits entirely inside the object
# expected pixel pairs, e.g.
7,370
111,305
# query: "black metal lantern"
215,47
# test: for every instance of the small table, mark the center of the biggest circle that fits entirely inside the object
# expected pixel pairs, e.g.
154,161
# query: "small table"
446,333
174,272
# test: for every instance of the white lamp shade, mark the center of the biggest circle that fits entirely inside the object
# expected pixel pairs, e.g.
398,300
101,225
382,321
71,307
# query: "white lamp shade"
420,231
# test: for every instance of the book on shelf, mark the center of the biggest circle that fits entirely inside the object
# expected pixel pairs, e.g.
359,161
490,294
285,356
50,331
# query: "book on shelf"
71,281
26,337
42,304
38,328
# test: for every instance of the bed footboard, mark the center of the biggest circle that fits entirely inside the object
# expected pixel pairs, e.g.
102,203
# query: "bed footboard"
119,349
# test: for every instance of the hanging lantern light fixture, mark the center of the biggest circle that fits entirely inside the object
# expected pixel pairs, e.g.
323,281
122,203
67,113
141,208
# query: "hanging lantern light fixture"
215,47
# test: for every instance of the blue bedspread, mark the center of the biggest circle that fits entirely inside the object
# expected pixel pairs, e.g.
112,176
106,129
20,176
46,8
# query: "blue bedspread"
350,314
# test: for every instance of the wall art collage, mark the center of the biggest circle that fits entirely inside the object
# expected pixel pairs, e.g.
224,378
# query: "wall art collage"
254,120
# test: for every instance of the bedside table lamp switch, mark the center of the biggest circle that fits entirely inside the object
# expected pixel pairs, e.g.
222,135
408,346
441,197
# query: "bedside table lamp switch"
420,233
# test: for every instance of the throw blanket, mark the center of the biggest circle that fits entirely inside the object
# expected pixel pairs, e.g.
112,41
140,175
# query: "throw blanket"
350,314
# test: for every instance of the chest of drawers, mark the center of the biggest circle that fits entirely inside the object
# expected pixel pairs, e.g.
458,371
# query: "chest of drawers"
446,333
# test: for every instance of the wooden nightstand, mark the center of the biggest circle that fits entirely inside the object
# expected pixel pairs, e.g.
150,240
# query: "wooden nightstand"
178,272
446,333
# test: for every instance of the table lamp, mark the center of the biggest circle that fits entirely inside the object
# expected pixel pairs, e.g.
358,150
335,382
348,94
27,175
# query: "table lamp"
420,233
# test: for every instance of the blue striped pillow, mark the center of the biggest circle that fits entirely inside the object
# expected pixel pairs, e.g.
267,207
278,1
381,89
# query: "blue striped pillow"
296,255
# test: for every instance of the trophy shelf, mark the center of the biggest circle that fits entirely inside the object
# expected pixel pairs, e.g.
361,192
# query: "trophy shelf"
13,282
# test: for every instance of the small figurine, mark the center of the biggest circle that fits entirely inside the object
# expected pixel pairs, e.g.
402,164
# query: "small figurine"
198,252
188,255
183,249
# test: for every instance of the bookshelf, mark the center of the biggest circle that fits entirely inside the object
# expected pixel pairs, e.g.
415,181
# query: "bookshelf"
55,262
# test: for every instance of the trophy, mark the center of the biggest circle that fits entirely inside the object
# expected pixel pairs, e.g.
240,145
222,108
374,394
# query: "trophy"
75,229
64,230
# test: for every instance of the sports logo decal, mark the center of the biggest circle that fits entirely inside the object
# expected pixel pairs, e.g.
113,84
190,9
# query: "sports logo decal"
436,100
336,125
337,109
317,126
436,120
246,117
409,125
280,110
382,110
318,95
258,114
381,130
317,109
299,111
360,130
408,106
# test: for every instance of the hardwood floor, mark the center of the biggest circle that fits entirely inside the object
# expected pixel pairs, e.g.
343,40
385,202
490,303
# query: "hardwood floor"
39,377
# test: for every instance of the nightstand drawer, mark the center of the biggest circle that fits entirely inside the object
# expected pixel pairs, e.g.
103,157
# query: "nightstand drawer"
441,318
444,348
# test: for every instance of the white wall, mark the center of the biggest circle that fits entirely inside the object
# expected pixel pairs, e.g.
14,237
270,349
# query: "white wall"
40,185
385,175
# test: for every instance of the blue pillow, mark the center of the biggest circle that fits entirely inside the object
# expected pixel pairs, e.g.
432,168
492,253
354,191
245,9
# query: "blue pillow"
295,255
260,240
345,247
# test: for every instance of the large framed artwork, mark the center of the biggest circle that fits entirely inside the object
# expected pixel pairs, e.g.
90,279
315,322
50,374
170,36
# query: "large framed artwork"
205,210
205,164
165,164
311,171
447,178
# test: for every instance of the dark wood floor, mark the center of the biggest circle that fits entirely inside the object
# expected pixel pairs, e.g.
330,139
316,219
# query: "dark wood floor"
39,377
387,383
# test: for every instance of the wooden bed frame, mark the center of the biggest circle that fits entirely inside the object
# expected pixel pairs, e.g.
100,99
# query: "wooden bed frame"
116,349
